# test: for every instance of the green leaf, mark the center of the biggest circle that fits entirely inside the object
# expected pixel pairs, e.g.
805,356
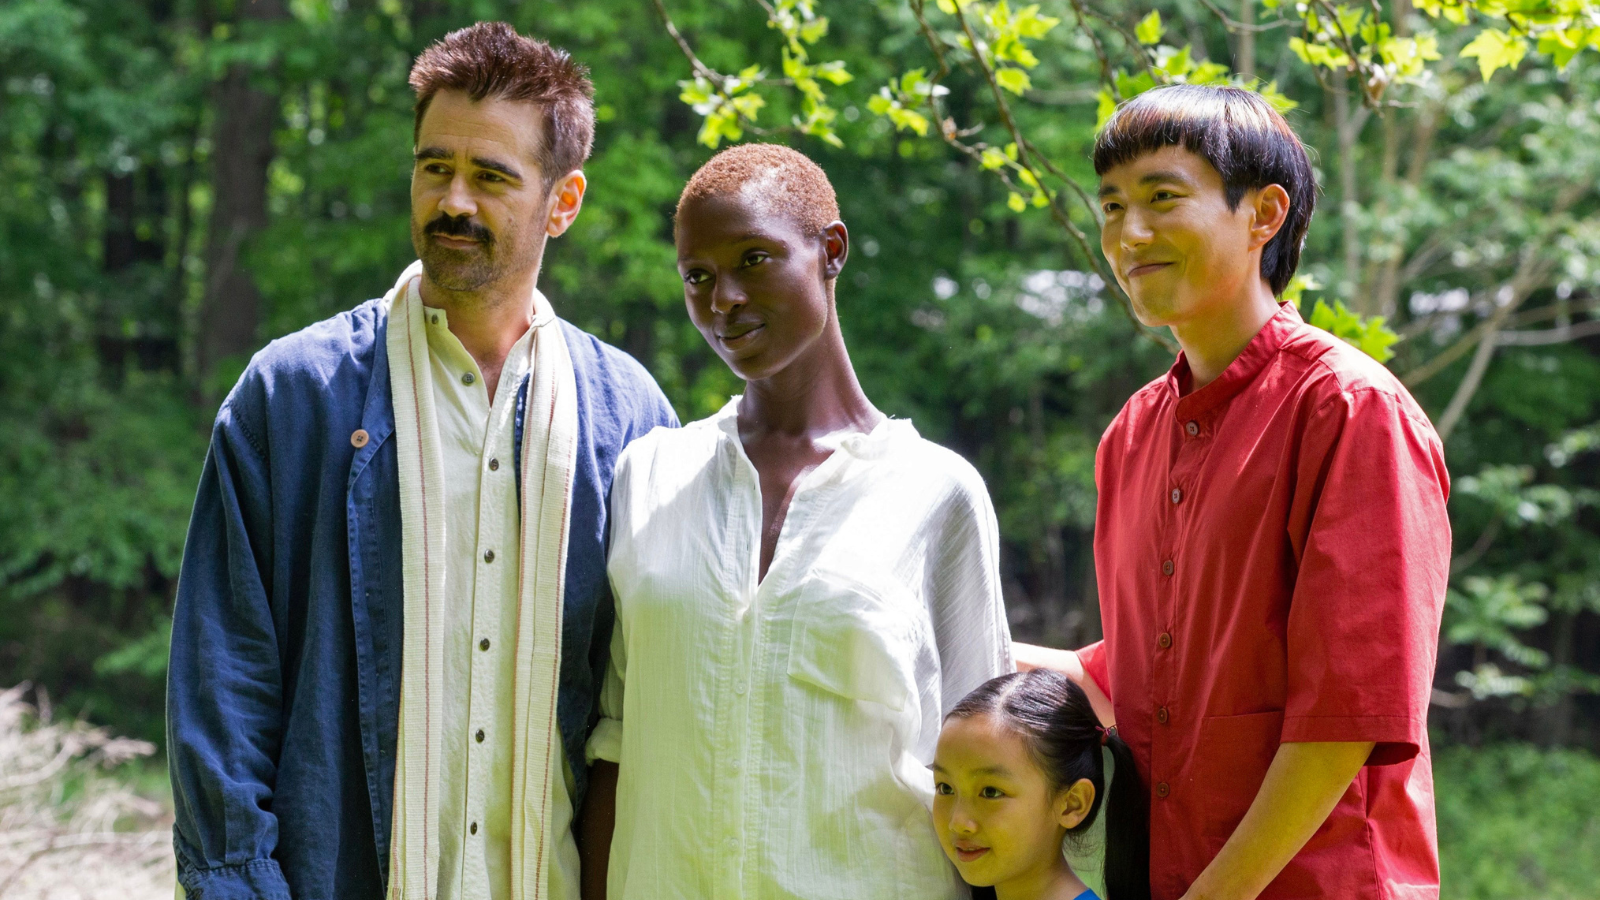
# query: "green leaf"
1108,105
1371,335
993,159
814,30
1016,202
1495,50
1014,80
1149,29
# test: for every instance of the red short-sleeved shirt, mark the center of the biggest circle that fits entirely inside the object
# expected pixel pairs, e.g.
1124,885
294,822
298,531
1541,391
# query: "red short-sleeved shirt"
1272,551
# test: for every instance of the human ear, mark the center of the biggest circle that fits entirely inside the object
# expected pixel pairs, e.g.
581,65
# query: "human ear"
566,199
835,248
1074,802
1270,208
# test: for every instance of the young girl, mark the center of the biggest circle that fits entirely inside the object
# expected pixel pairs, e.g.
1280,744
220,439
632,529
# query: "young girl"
1017,769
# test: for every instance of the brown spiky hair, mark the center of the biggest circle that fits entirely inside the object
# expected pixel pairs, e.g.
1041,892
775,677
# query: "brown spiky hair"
786,180
491,60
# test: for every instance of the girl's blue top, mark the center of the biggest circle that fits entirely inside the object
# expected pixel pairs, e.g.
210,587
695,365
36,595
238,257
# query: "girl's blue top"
1087,895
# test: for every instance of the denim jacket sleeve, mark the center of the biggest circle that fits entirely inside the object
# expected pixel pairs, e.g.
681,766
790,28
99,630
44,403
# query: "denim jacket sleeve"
225,680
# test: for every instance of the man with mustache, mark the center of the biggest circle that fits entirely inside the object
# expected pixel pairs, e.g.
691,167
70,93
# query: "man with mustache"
393,613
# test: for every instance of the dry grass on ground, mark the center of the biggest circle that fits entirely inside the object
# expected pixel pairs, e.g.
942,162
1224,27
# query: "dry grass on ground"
68,829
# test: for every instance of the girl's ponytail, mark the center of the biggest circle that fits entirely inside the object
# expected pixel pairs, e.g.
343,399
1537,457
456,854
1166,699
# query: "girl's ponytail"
1127,870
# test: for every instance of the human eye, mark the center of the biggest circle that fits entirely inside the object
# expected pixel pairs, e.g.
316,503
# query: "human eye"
1110,207
696,276
991,793
491,177
436,168
1163,195
943,788
755,257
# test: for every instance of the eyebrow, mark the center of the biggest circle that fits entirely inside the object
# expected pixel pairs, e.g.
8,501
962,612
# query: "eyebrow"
482,162
985,770
1107,190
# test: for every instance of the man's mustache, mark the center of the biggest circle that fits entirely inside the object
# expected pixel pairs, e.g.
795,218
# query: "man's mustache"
461,227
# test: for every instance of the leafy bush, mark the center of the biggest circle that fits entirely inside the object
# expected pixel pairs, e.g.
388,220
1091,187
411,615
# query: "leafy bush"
1517,822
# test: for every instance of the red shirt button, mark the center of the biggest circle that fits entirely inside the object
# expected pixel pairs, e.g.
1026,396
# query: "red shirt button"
1165,640
1177,495
1161,715
1162,790
1167,567
1193,428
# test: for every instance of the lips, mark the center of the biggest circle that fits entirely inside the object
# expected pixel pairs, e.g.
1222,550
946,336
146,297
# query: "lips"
454,243
969,852
1146,268
741,334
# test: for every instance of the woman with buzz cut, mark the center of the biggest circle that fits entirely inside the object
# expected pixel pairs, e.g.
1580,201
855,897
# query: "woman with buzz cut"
804,586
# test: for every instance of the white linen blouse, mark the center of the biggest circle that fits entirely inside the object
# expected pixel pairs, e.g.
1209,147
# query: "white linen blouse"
774,739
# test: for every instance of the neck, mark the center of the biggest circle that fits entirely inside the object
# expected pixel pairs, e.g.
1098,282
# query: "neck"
1056,882
814,396
1212,341
488,322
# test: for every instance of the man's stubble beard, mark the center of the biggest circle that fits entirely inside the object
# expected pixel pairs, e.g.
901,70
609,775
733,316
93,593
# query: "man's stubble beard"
460,271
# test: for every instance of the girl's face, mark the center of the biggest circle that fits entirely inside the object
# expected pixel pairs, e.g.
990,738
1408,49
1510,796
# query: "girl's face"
998,818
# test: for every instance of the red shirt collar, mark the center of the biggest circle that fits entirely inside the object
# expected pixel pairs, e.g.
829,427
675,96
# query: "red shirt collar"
1239,373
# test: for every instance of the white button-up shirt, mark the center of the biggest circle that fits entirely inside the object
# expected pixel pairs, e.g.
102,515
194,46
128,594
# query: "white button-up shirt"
774,738
482,518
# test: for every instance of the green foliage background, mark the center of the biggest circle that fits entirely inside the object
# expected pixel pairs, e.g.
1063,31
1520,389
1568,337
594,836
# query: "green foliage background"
982,324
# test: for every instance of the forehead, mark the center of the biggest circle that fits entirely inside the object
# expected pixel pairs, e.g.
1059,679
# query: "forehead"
978,742
729,218
1170,163
493,126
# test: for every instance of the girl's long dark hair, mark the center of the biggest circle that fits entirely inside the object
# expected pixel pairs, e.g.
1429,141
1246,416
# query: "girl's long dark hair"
1054,718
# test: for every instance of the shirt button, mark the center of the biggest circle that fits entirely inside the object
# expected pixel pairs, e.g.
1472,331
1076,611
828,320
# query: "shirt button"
1162,790
435,318
739,687
731,843
1161,716
359,438
473,828
1177,495
483,644
479,735
468,378
1167,567
494,464
488,556
1193,428
1165,640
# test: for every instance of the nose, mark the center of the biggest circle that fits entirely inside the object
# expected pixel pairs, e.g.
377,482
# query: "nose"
1135,231
727,294
457,200
962,824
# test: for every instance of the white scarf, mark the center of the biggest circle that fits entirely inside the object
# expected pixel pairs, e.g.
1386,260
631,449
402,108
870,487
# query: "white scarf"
549,444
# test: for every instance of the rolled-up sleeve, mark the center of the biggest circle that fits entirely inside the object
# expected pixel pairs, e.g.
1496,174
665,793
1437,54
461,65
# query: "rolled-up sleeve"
1363,624
1095,665
224,683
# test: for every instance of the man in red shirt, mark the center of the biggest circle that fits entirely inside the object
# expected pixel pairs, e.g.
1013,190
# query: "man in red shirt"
1271,540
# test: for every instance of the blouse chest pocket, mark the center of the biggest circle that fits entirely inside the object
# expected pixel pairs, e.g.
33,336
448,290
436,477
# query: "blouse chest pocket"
856,639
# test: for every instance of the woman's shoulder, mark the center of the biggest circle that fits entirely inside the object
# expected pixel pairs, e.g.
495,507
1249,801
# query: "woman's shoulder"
938,467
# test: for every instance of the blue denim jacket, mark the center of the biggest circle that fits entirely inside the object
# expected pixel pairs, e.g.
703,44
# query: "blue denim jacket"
283,694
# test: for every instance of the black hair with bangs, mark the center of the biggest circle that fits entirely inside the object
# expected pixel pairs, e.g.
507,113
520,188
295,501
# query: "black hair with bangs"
1247,141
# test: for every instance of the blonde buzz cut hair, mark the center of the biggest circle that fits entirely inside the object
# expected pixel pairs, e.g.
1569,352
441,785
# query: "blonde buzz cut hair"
786,182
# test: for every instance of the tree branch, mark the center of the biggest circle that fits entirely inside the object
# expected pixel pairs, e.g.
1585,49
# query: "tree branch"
1025,157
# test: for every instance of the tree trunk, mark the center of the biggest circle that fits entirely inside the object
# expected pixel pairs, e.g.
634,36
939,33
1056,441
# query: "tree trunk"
241,151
